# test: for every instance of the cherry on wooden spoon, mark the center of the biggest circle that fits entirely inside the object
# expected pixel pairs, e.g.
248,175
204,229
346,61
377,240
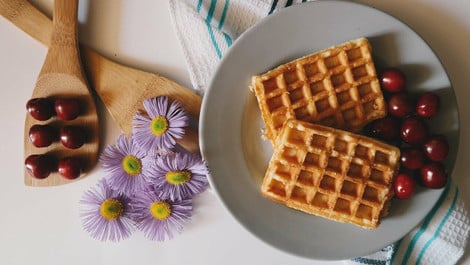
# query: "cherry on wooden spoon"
62,77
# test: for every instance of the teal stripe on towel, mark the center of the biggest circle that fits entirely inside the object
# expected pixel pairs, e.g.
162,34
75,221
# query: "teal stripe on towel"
424,226
224,13
209,28
439,228
228,40
199,5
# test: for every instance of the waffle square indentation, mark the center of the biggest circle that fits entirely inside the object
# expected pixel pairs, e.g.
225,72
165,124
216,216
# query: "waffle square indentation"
381,158
306,178
362,152
364,89
291,76
338,80
296,94
364,212
299,194
343,206
320,200
283,172
378,176
354,54
291,155
317,87
302,112
349,188
328,183
319,141
344,97
332,61
311,69
277,187
270,85
349,114
371,194
335,165
355,171
341,146
296,137
313,160
275,103
359,72
322,105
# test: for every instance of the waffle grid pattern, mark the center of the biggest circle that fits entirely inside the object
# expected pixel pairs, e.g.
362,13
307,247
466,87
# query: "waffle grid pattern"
331,173
336,87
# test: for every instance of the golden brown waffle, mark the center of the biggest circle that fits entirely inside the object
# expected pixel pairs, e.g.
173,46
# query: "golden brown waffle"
336,87
331,173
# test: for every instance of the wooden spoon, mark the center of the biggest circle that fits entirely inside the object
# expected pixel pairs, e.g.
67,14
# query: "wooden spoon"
61,77
122,89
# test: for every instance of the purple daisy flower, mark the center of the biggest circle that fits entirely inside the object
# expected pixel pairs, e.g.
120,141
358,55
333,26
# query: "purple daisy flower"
127,165
163,125
159,219
105,213
179,175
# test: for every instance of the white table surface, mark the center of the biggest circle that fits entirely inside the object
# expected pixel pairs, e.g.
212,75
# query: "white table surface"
41,225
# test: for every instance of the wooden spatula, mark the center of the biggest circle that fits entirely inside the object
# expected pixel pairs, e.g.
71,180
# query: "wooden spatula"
62,77
121,89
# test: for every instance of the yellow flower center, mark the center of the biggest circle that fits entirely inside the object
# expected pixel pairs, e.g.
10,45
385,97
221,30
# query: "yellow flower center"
160,210
178,177
159,125
132,165
111,209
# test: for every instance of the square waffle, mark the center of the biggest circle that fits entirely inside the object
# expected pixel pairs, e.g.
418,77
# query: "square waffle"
336,87
331,173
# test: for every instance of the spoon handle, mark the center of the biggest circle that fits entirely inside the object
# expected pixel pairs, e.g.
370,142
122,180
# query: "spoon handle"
65,22
63,55
29,19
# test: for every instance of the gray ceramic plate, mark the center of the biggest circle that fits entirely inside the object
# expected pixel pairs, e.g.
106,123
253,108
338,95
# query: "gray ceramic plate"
230,125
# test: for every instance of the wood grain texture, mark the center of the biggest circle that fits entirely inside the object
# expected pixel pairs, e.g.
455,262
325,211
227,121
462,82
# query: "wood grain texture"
122,89
61,76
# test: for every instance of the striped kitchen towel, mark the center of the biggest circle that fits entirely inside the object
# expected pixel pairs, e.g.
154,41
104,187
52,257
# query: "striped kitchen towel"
207,28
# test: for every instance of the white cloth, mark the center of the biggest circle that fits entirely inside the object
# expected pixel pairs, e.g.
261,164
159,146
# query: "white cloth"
207,28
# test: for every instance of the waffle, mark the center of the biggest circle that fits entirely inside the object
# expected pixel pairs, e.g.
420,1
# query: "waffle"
336,87
331,173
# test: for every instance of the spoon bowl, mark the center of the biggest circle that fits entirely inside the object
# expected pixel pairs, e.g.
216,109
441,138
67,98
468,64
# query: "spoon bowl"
62,76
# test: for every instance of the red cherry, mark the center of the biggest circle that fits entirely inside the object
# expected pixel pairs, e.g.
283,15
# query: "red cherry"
433,175
392,80
70,167
404,186
414,131
67,108
412,158
428,105
436,148
400,104
72,137
40,166
42,135
387,128
40,109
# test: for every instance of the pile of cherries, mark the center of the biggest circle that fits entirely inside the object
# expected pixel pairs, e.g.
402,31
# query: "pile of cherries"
422,153
43,135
